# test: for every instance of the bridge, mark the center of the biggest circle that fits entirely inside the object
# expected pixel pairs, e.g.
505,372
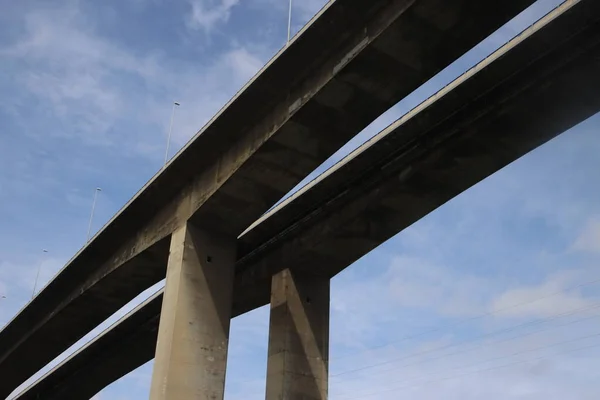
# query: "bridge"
207,205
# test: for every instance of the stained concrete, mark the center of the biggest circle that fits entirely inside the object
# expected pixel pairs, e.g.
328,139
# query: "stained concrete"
353,62
193,335
74,382
511,103
298,360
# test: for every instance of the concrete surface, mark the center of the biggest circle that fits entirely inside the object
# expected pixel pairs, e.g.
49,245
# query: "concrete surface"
80,373
193,334
298,360
534,88
353,62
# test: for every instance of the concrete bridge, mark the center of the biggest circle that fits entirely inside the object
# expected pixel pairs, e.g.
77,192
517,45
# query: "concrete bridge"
199,221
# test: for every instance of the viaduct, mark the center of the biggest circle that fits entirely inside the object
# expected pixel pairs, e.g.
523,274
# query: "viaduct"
205,223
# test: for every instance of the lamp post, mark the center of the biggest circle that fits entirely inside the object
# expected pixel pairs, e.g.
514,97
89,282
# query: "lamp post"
175,104
92,213
37,275
290,22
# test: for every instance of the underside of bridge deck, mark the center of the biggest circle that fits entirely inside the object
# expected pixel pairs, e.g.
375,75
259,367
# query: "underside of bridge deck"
356,59
537,86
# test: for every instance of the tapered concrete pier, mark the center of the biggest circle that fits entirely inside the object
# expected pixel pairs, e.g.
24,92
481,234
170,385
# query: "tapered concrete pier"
193,335
298,358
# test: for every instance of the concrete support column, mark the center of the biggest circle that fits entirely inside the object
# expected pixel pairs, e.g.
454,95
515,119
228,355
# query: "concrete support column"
191,351
298,362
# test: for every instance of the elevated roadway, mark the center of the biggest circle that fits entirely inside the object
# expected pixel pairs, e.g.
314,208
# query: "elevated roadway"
351,63
535,87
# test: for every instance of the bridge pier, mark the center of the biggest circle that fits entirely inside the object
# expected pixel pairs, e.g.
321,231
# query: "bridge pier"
298,360
193,335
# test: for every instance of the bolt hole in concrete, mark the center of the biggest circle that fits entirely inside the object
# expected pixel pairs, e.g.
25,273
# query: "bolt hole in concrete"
308,300
208,259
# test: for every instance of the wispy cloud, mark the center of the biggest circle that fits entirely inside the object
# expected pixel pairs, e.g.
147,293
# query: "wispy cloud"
73,86
73,72
419,306
558,293
88,81
589,239
206,14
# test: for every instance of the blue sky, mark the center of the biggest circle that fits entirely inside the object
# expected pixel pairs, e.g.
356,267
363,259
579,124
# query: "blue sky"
495,295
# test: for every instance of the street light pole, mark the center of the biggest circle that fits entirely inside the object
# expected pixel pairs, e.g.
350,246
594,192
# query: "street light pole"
92,213
290,22
175,104
37,275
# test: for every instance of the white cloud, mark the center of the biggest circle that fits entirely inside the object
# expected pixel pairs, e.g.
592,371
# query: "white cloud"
243,63
76,71
206,14
557,294
540,360
371,298
85,81
389,318
589,239
416,282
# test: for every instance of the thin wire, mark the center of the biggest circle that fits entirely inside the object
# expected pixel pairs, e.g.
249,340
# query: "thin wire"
485,369
542,320
572,312
496,342
490,368
496,358
462,321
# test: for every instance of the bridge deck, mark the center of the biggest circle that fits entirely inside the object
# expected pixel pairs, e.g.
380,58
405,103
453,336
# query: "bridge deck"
353,62
538,85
